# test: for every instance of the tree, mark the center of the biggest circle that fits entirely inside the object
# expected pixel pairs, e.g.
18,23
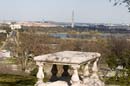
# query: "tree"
119,2
28,45
119,52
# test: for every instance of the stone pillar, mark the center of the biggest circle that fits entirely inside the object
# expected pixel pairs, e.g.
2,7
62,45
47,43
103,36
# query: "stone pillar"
40,74
75,81
86,73
95,69
86,70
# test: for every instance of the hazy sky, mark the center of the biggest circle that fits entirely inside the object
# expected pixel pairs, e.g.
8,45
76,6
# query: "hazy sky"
89,11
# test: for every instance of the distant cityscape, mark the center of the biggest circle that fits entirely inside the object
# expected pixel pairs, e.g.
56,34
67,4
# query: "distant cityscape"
101,27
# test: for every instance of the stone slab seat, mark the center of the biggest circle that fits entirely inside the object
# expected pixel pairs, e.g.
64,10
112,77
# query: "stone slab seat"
67,57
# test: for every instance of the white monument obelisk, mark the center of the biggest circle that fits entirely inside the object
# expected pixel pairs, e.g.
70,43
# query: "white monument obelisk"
72,25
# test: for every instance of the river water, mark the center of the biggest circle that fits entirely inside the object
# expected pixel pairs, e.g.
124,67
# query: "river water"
88,36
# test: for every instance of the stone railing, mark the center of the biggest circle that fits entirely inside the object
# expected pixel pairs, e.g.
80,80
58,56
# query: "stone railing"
75,60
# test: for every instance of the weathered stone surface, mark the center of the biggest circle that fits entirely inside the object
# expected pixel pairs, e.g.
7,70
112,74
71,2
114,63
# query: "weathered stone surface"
74,59
67,57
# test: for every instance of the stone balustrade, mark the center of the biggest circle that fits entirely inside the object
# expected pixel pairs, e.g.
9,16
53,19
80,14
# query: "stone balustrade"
74,59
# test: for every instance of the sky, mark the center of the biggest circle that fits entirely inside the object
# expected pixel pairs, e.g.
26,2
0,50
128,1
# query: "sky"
87,11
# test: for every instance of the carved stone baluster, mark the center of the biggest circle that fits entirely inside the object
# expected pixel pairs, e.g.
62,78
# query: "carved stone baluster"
86,70
86,73
95,81
95,69
40,74
75,81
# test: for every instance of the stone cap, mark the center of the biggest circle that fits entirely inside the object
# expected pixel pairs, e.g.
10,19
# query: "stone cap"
67,57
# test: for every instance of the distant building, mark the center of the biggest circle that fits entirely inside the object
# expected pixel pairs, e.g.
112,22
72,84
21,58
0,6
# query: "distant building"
15,26
5,54
37,24
119,27
3,31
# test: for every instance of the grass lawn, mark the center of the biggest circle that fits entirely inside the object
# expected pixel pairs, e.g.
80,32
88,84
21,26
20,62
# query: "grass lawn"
17,80
122,81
